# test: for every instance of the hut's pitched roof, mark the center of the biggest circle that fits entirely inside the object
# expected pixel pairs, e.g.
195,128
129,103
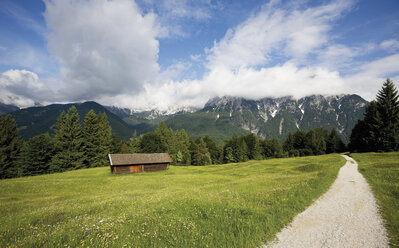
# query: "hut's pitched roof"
139,158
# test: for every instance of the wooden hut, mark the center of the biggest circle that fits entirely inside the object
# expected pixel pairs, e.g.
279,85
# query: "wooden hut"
138,162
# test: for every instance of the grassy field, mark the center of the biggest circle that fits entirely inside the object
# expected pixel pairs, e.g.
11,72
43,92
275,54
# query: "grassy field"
381,171
233,205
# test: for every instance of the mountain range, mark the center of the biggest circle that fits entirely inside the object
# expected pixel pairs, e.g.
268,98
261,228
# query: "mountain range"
36,120
220,118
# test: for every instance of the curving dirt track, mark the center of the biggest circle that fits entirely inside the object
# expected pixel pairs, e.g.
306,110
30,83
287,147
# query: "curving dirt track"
345,216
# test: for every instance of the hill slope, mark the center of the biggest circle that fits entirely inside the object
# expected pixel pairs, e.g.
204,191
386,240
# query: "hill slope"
6,108
36,120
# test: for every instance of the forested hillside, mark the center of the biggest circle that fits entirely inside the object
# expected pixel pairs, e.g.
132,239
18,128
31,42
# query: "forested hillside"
36,120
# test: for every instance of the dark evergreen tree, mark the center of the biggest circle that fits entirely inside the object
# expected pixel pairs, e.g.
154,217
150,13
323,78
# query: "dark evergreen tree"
201,156
272,148
183,142
116,144
152,143
365,137
105,139
68,142
168,139
213,149
91,140
379,130
334,142
97,139
228,155
388,110
10,146
316,141
254,149
299,139
288,145
125,148
36,155
134,145
193,149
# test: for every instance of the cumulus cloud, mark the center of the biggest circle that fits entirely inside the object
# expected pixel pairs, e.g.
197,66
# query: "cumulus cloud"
20,88
104,47
109,53
276,31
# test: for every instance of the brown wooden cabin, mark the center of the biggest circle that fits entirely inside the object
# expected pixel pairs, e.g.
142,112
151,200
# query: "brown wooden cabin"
138,162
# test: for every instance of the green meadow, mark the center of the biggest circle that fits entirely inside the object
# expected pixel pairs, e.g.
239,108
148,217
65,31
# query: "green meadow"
232,205
381,171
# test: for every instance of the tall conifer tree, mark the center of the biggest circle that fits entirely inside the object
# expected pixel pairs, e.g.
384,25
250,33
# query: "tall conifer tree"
36,155
388,110
379,130
10,146
69,142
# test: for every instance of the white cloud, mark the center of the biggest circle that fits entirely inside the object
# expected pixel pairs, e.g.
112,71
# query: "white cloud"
20,87
104,47
289,32
109,53
390,45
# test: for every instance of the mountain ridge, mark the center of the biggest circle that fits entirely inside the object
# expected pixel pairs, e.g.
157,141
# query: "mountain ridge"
220,118
276,117
40,119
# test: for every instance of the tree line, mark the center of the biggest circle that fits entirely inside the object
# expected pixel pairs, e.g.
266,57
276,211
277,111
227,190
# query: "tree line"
75,146
71,147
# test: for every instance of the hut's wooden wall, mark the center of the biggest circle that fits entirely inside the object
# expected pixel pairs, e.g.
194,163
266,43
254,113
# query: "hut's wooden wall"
138,168
155,167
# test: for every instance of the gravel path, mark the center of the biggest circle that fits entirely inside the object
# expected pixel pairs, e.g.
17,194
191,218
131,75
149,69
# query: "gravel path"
345,216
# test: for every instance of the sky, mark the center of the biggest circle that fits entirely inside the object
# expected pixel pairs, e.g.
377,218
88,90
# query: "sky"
170,54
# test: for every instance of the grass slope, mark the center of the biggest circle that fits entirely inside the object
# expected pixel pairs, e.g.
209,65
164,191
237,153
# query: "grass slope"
233,205
381,171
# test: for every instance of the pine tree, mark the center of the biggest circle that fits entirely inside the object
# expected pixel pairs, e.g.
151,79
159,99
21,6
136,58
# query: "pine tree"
168,139
134,145
228,155
152,143
254,150
334,143
316,141
183,142
36,155
193,149
288,145
91,139
97,139
272,148
125,149
244,148
202,156
213,150
299,139
379,130
69,142
10,146
365,134
388,109
105,139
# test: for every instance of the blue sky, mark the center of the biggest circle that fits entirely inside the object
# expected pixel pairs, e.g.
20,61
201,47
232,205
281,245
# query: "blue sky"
168,54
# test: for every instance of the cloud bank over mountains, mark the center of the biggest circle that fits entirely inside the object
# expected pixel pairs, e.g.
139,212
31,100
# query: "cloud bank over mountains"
108,51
